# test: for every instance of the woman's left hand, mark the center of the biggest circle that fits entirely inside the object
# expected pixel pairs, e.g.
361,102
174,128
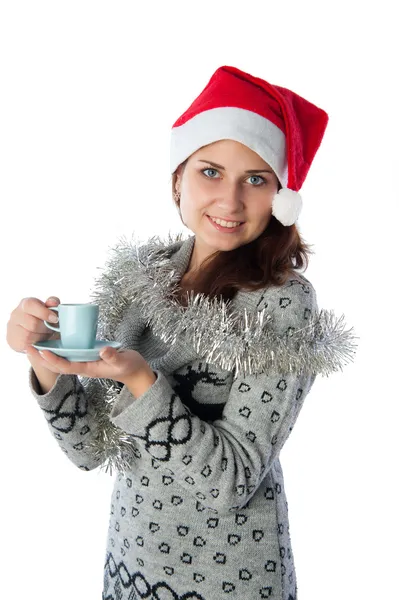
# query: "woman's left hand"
121,366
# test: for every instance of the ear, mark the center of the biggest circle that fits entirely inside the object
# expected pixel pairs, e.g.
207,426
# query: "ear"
179,174
178,181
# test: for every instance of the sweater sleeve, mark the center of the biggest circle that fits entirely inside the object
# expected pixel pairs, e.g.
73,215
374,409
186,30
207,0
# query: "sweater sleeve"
73,413
77,408
221,463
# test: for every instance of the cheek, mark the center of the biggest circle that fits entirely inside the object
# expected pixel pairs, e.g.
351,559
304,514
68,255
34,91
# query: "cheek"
198,187
195,198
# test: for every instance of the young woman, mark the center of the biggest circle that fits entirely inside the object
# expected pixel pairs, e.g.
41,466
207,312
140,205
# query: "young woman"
222,340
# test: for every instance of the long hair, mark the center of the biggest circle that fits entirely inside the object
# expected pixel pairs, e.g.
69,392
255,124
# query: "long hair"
270,259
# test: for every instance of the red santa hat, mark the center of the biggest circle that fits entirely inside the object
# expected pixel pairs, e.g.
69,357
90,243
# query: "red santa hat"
282,127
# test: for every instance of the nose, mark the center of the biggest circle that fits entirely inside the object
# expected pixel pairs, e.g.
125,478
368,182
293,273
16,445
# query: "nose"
231,198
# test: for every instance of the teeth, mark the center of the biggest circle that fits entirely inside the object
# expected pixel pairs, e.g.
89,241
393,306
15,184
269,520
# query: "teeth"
225,223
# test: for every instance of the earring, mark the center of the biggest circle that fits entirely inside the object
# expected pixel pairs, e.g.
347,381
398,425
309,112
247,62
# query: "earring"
176,196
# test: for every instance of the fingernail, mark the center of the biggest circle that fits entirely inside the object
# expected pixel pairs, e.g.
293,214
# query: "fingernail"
53,318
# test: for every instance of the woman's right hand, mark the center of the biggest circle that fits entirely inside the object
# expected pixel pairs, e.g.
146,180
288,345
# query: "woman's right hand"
26,324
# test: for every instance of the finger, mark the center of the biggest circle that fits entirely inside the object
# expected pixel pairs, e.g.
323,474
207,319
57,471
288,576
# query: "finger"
26,338
33,324
38,360
31,337
62,365
92,369
51,368
31,351
54,359
32,314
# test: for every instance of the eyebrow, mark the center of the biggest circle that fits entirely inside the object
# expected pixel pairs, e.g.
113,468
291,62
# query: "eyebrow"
249,171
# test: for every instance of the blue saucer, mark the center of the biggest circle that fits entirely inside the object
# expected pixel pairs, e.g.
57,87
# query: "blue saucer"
76,355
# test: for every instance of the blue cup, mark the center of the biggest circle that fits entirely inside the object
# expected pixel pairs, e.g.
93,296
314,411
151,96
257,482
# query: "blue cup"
77,325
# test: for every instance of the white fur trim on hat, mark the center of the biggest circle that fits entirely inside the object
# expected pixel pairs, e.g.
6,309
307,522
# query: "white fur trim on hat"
228,122
286,206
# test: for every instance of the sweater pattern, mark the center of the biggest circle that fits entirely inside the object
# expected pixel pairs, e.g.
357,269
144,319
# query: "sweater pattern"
198,508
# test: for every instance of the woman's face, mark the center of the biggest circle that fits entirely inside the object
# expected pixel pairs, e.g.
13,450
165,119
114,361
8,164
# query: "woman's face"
227,191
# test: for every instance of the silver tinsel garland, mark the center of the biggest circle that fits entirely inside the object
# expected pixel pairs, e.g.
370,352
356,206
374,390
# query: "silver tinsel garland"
141,276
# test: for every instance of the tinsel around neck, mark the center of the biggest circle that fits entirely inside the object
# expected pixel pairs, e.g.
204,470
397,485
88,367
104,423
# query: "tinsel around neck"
143,277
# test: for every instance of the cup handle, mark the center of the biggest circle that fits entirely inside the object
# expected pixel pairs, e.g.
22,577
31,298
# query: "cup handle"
57,329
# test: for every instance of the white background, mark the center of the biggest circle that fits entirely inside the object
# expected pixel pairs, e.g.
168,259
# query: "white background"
89,93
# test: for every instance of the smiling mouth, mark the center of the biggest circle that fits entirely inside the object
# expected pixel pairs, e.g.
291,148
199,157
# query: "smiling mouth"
227,220
226,228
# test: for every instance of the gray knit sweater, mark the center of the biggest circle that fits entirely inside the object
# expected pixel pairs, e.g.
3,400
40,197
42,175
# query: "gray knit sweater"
199,509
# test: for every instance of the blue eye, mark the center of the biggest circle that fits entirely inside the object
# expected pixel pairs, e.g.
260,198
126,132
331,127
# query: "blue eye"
259,177
252,176
208,169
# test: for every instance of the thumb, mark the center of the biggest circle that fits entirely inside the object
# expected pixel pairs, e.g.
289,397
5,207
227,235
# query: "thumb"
52,301
108,354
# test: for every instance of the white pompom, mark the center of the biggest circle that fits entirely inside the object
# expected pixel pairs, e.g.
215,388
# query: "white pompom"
286,206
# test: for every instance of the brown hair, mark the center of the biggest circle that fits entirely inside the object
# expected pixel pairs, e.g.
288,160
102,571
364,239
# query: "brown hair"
270,259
